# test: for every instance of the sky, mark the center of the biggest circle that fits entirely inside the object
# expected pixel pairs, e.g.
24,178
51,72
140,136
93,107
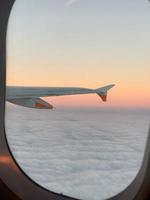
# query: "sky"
82,43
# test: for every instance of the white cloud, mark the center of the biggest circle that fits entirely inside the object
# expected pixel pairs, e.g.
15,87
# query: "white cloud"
71,2
81,150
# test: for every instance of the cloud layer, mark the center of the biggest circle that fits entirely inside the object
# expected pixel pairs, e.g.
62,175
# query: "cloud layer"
81,151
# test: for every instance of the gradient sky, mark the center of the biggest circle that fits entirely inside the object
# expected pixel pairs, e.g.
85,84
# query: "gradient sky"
82,43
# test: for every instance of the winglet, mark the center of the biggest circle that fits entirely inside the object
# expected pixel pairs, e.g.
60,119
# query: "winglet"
102,92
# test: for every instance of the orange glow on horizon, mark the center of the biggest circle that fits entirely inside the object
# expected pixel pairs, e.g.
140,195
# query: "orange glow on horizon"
93,100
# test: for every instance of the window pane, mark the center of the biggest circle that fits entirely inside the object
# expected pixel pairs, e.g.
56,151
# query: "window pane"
61,55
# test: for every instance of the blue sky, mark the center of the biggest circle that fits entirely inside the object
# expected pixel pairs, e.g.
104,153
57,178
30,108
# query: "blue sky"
80,43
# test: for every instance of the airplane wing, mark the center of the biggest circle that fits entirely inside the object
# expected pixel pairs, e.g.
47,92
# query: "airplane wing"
30,96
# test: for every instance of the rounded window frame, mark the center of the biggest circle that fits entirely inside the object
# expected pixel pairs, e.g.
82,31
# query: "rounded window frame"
14,183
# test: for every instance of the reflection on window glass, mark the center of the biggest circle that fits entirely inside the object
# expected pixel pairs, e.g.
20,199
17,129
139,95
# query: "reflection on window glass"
77,110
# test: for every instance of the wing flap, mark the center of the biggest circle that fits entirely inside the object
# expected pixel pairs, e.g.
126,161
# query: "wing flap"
37,103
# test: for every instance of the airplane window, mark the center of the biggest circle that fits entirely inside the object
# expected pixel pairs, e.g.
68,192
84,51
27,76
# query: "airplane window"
77,93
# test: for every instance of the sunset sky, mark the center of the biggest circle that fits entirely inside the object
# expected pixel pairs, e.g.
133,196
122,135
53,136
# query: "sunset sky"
82,43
